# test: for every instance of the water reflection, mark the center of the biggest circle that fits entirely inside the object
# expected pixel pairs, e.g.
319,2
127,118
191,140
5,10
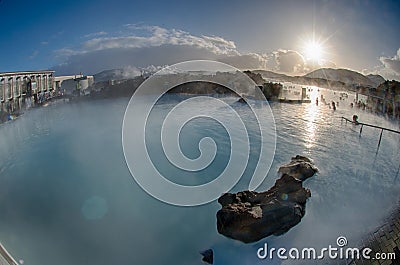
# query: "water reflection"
310,114
55,160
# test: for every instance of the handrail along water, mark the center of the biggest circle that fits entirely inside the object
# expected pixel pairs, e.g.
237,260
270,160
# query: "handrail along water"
373,126
5,257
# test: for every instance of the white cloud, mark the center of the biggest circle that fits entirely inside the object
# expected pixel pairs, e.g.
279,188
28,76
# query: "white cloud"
389,67
95,34
248,61
294,63
131,71
392,64
136,36
289,61
96,61
144,45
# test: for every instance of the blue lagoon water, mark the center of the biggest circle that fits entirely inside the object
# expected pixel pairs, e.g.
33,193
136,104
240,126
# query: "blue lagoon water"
67,196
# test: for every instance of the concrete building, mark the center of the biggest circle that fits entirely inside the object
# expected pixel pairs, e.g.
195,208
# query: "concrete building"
74,84
294,93
18,87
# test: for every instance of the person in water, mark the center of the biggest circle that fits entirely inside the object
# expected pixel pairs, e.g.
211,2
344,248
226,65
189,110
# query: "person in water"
355,119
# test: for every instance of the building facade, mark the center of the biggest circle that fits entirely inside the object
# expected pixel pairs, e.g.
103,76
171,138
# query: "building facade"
20,88
74,84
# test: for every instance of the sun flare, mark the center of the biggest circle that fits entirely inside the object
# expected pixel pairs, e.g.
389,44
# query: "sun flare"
313,51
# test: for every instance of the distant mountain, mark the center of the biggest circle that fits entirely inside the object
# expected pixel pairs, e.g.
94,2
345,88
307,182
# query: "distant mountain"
114,74
342,79
345,76
125,73
272,75
326,77
377,79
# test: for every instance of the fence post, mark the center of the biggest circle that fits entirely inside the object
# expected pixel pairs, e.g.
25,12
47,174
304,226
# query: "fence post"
380,138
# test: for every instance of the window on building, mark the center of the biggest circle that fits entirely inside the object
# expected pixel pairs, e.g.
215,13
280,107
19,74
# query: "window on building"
39,84
44,79
9,91
50,82
17,87
34,86
2,89
25,84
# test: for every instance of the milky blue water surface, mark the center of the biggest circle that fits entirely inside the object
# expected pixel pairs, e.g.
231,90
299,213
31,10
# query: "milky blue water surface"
67,197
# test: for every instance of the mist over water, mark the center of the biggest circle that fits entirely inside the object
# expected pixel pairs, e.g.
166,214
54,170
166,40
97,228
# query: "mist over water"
67,197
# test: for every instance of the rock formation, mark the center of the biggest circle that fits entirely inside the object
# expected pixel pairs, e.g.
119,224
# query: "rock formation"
249,216
300,167
208,256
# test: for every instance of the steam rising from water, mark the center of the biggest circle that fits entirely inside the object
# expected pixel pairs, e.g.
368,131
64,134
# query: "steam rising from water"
57,161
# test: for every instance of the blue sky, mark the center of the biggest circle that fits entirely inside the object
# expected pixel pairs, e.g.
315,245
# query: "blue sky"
91,36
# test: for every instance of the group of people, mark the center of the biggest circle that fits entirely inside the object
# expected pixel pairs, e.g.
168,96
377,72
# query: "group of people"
333,105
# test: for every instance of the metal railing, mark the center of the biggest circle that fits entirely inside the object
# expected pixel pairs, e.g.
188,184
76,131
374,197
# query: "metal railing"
5,257
373,126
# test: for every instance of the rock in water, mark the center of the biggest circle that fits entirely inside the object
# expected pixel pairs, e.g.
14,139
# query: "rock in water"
249,216
208,256
300,168
241,100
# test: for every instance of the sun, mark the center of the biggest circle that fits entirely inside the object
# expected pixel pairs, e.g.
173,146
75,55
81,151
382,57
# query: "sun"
313,51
